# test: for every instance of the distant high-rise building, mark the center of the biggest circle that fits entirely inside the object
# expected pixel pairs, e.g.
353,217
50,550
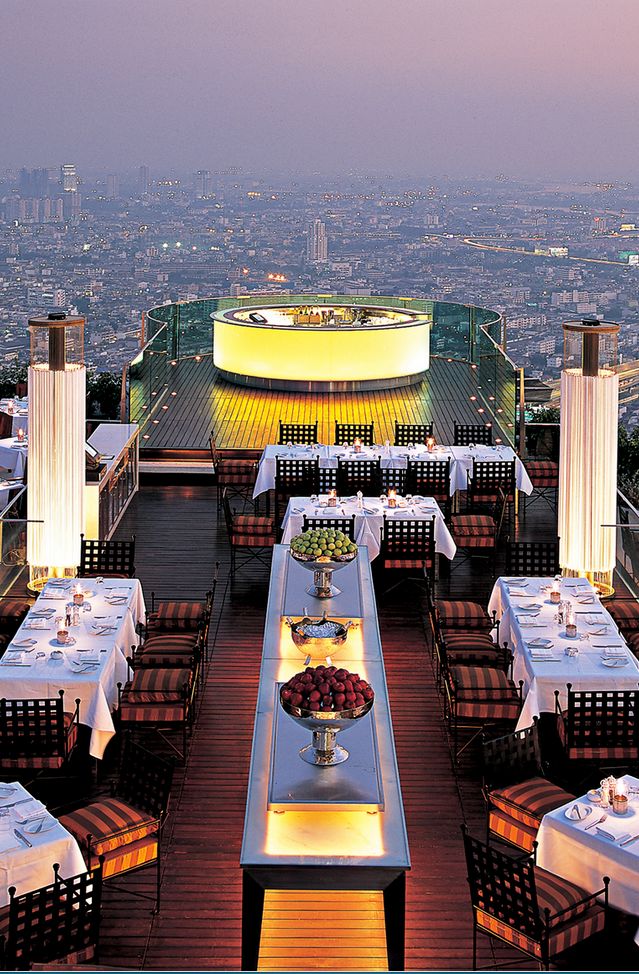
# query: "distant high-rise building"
143,179
71,203
202,183
69,178
112,189
317,242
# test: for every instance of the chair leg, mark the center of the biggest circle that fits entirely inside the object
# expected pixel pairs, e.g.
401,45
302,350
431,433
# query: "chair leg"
158,876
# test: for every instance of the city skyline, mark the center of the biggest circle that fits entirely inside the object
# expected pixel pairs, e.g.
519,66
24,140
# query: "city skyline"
422,86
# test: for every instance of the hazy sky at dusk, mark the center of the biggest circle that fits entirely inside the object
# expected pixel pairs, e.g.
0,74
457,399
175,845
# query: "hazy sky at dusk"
528,87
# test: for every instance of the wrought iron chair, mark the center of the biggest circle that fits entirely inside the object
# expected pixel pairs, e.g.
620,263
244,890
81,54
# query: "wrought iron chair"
518,903
408,544
544,476
354,475
125,830
327,479
297,477
236,474
184,621
37,735
515,789
113,558
487,479
625,612
430,478
467,433
345,524
532,558
160,699
600,726
298,433
345,433
393,478
249,534
57,925
478,534
472,647
406,433
476,697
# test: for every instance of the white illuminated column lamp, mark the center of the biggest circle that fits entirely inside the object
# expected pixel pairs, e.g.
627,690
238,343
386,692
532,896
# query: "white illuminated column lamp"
56,464
588,451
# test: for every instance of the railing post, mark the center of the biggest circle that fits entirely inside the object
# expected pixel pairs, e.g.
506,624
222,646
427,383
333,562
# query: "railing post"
522,415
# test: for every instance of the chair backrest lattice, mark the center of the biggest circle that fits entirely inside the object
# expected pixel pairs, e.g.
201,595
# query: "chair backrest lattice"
296,477
144,780
503,887
99,557
346,433
54,923
300,434
533,558
513,757
344,524
354,475
394,478
408,538
597,719
467,433
32,728
489,476
406,433
431,478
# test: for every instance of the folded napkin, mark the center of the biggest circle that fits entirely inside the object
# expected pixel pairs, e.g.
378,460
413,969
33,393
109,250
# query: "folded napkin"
31,623
530,624
615,652
528,607
541,652
29,810
101,622
578,812
517,591
516,581
540,641
42,613
58,595
615,835
9,841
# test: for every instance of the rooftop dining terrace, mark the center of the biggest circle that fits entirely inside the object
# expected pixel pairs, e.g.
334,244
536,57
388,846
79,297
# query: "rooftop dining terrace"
182,545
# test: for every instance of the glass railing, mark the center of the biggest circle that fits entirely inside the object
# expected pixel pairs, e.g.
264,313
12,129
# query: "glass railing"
13,538
461,332
628,543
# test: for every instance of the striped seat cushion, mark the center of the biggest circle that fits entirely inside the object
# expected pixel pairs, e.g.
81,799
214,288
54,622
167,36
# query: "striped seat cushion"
561,938
559,896
408,563
529,800
125,858
633,642
171,642
253,524
152,713
235,471
44,762
456,639
111,824
484,692
246,540
543,473
475,656
458,614
625,613
12,612
473,530
174,615
167,650
508,829
158,685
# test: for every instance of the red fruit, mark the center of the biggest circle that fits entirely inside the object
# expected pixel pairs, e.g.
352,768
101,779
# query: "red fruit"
313,705
327,700
286,694
330,670
324,688
355,677
348,686
359,700
368,694
339,687
350,697
314,695
339,699
296,699
342,674
327,708
320,669
306,678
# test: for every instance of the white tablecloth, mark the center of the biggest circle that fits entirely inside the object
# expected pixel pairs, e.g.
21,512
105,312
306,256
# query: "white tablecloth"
95,687
369,521
461,461
567,850
586,671
28,869
12,456
20,413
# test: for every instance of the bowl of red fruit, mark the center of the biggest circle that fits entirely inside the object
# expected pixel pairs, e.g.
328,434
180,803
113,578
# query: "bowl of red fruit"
326,700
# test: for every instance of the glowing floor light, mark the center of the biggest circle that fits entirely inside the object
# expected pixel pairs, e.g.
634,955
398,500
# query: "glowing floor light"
56,460
588,451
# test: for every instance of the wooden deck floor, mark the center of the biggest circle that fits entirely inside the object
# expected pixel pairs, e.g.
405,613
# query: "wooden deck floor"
179,540
248,418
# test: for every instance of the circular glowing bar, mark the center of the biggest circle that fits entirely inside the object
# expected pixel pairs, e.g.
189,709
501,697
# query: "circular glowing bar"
342,348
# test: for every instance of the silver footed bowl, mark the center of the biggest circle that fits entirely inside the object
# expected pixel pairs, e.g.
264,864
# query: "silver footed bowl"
318,637
324,751
323,568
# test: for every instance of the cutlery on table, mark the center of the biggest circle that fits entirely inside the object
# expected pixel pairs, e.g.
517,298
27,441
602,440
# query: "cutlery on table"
598,822
633,838
18,834
20,801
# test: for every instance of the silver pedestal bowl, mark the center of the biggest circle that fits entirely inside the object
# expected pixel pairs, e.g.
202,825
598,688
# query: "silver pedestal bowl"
318,638
324,751
323,568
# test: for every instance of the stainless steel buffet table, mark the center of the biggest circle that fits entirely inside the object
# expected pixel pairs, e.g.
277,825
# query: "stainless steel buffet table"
336,828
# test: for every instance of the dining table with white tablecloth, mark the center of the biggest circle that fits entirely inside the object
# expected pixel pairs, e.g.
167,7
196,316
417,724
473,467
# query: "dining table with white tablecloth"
545,658
31,841
91,664
369,519
397,457
584,849
13,455
18,409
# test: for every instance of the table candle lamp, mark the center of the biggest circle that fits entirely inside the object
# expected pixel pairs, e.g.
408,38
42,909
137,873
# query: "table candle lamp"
10,406
392,498
430,443
20,435
620,798
571,625
555,593
332,498
357,445
78,595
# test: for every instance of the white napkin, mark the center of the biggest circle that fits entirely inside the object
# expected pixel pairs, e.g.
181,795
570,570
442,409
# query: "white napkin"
540,653
104,622
578,812
9,841
615,652
41,624
608,833
29,810
58,595
517,591
529,623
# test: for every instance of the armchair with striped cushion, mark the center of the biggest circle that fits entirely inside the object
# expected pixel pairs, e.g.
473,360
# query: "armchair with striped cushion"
600,726
37,735
234,474
125,828
529,908
161,699
516,792
477,697
544,476
248,534
625,612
